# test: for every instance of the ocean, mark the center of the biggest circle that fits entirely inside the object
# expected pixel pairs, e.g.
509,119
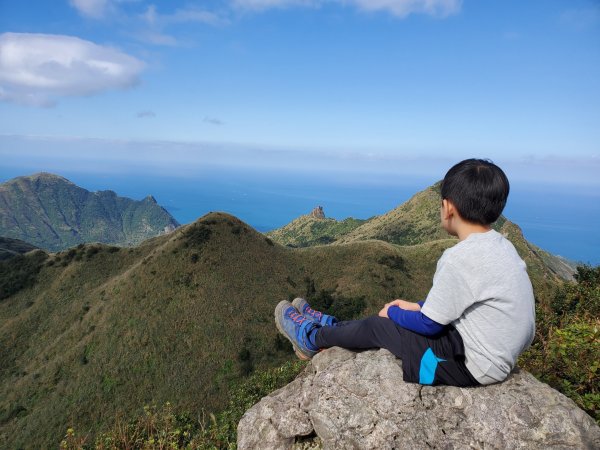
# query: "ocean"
560,219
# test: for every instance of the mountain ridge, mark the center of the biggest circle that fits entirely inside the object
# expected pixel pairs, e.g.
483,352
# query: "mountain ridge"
53,213
13,247
413,222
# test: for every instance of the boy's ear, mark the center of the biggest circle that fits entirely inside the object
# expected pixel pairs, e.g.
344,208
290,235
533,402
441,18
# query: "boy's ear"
448,208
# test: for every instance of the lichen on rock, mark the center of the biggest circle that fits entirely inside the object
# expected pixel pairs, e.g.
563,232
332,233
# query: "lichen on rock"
350,400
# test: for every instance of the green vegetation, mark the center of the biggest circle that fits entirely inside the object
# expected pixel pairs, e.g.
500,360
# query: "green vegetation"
343,308
414,222
566,352
20,272
54,214
307,231
12,247
98,331
178,318
164,428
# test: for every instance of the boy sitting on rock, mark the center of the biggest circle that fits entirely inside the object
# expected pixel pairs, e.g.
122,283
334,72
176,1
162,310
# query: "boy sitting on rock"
479,314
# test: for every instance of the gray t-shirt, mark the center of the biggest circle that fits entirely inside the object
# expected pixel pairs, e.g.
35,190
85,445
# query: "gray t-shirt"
482,288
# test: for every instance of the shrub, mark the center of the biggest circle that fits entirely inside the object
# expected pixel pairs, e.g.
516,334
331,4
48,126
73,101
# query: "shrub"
566,351
20,272
91,251
393,262
222,431
164,428
570,362
198,235
343,308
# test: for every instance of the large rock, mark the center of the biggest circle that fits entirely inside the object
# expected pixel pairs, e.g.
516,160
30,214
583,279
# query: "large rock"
348,400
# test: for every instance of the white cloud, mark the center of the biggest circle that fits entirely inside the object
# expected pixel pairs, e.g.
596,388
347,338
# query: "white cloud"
156,23
186,15
95,9
36,69
402,8
267,4
399,8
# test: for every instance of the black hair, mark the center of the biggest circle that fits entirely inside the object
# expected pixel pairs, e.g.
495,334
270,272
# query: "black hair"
478,189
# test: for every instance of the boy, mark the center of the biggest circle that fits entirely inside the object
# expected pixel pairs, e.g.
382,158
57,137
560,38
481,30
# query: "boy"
479,314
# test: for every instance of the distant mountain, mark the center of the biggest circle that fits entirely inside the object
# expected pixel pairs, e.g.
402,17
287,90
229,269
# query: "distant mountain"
52,213
414,222
314,229
13,247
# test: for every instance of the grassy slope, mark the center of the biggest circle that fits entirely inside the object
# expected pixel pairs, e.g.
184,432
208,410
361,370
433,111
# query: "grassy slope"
417,221
307,230
104,331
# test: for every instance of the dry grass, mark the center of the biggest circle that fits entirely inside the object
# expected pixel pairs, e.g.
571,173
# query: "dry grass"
103,331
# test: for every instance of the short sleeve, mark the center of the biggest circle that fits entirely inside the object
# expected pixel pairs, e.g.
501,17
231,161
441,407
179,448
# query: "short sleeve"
449,296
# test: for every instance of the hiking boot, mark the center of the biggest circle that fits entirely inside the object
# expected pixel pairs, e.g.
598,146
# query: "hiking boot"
295,327
315,316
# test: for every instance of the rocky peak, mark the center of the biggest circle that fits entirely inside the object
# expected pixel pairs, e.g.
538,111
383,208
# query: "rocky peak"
39,178
354,400
317,213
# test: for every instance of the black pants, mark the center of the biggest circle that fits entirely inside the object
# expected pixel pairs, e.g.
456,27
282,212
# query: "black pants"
438,359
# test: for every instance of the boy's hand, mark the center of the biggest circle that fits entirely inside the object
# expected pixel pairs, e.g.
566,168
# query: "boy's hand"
403,304
384,310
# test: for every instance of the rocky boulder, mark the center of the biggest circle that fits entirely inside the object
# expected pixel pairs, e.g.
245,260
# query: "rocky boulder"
348,400
317,213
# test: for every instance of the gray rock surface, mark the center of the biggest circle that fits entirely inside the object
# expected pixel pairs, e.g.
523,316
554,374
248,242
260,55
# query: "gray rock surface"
348,400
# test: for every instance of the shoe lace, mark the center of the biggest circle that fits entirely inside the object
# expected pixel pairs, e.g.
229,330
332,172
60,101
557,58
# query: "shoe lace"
313,313
297,317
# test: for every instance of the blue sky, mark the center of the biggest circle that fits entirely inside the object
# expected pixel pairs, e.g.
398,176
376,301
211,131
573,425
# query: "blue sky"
410,78
266,108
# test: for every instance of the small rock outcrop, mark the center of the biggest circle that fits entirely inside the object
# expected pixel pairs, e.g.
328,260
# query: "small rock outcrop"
317,213
348,400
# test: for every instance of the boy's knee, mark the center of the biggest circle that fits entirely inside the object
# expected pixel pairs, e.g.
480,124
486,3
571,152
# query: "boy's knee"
377,322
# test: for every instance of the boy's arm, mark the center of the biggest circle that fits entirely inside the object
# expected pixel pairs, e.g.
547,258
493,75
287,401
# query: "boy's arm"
414,320
408,315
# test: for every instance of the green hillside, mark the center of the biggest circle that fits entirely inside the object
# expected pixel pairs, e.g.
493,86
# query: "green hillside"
52,213
102,329
309,230
414,222
95,332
